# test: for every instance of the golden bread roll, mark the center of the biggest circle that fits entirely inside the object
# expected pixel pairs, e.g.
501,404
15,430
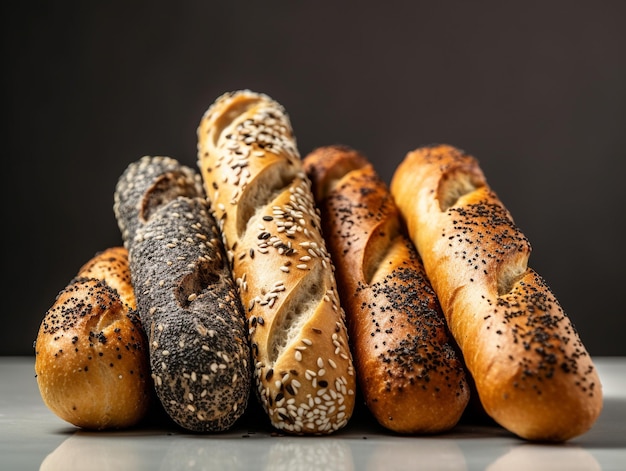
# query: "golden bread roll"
411,377
91,354
262,201
532,372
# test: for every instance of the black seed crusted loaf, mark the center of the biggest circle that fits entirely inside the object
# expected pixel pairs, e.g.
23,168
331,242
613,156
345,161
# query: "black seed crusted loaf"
262,200
532,372
186,297
91,353
147,185
410,375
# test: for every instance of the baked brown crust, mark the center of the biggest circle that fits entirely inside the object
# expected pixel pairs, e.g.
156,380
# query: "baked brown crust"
532,372
91,354
411,377
186,296
112,267
262,200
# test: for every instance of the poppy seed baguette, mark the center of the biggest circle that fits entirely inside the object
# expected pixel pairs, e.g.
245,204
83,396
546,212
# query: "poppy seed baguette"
148,184
411,377
262,200
186,297
532,372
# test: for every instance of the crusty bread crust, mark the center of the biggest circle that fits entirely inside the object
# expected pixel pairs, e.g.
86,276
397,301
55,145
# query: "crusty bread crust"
186,296
531,370
112,267
262,201
91,354
411,377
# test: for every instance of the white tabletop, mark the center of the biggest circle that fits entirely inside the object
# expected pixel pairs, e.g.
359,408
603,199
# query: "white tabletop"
32,437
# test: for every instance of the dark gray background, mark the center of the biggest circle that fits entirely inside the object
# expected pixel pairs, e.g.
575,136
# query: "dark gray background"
535,90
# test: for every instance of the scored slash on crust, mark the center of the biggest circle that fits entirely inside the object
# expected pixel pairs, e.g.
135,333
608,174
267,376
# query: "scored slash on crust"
262,201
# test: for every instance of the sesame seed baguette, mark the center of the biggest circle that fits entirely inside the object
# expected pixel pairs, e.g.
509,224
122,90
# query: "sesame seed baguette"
532,372
91,353
186,297
410,375
262,200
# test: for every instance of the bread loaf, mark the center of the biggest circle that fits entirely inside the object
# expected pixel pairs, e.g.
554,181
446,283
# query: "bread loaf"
91,355
186,297
262,200
409,373
532,372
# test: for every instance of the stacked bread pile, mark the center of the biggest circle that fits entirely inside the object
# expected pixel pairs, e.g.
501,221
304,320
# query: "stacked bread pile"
305,281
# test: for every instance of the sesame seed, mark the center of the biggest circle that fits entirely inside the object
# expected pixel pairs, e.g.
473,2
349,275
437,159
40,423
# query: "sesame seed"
266,130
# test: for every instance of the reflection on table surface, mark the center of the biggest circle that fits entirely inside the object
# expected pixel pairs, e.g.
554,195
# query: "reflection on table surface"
360,446
459,451
31,437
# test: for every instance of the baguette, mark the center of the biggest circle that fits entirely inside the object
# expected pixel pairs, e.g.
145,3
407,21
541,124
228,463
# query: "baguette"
262,200
186,297
91,354
409,373
532,372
